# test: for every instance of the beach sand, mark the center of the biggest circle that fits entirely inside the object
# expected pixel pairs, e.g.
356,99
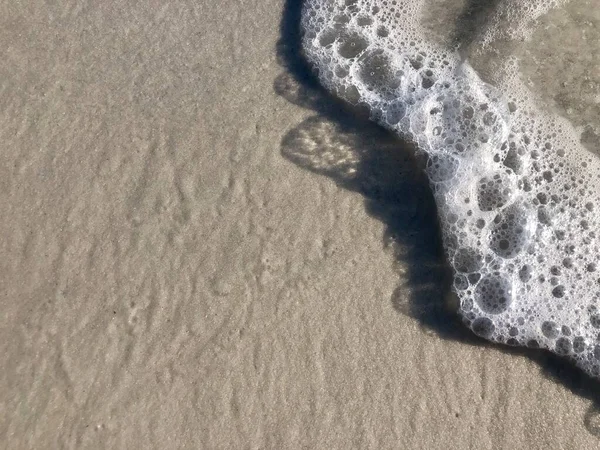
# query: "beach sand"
200,249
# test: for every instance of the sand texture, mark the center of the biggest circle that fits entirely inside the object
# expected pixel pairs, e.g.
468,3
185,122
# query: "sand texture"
200,249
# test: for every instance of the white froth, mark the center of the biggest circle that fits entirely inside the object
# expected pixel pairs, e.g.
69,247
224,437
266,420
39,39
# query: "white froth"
517,195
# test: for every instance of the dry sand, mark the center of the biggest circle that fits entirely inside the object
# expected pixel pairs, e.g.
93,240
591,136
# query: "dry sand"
199,250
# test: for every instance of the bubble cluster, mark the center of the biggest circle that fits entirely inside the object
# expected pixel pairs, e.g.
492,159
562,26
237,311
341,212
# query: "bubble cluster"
510,232
494,192
517,194
493,293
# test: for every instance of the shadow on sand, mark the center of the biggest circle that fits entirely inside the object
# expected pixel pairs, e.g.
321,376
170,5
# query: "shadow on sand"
342,144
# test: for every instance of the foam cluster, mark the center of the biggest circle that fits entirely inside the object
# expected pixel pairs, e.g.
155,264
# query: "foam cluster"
518,197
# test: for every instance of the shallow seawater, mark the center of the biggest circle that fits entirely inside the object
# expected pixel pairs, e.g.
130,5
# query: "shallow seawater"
557,54
502,99
561,64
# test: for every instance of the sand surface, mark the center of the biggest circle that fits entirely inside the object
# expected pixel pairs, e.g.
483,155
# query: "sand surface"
199,249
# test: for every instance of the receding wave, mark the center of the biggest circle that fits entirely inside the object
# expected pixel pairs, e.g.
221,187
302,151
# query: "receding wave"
517,194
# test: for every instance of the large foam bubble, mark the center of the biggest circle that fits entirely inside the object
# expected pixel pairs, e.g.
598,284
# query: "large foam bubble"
517,195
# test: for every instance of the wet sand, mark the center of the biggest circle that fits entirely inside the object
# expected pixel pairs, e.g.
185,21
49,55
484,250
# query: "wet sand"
200,249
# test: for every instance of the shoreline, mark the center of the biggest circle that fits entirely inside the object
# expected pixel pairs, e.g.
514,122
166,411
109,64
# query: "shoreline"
182,270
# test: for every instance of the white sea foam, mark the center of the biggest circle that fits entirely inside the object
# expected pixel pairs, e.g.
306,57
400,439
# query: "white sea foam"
517,195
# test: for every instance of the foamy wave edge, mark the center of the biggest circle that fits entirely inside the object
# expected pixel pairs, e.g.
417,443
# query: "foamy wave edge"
517,194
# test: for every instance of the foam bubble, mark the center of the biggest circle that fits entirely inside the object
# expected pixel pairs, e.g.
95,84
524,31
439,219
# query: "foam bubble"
494,294
516,192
